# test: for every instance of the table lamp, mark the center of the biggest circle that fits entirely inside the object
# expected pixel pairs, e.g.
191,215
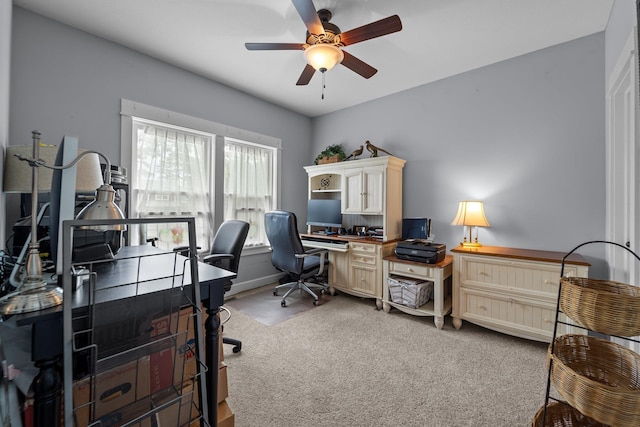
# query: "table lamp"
34,293
470,214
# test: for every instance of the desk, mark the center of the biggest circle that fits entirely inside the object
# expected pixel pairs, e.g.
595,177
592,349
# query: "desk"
49,340
356,270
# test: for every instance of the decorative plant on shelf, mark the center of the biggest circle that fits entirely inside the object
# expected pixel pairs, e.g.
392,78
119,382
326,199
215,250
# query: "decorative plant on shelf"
331,154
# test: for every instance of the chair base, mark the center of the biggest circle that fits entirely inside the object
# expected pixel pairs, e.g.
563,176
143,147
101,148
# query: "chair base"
300,285
234,342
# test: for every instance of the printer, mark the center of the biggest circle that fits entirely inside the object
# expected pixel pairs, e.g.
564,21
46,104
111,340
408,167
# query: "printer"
420,250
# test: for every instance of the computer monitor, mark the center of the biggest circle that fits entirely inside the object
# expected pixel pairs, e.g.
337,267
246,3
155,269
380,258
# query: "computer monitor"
416,228
324,213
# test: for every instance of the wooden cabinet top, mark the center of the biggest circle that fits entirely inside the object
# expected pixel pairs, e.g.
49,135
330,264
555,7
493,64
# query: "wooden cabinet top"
526,254
389,161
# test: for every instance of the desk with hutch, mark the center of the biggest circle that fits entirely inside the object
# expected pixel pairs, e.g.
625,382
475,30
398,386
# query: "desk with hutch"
370,191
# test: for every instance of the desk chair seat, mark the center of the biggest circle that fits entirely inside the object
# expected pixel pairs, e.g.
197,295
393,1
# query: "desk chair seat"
288,255
225,253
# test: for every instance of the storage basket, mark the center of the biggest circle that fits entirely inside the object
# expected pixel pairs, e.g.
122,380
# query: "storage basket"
602,305
562,415
599,378
409,292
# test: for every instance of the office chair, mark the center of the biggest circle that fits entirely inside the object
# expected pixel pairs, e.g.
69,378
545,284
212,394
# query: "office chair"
289,256
225,253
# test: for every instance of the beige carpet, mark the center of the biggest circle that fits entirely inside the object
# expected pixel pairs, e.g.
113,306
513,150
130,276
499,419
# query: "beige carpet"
345,363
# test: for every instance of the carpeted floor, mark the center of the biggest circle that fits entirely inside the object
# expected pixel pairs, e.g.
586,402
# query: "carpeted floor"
263,306
344,363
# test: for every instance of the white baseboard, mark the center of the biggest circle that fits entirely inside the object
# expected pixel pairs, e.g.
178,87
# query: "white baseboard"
238,287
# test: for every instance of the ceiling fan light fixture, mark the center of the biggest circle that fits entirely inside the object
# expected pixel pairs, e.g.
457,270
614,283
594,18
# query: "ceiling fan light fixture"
323,57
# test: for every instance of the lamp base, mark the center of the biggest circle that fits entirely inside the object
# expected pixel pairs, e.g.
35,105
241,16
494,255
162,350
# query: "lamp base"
471,244
28,300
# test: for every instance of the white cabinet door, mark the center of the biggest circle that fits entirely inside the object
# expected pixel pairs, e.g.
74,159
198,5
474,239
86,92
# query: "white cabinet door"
363,191
352,191
373,190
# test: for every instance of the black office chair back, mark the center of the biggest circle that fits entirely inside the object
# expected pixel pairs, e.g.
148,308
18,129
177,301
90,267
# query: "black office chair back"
282,231
229,239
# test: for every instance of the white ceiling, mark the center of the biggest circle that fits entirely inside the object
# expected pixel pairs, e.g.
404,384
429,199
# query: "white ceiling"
440,38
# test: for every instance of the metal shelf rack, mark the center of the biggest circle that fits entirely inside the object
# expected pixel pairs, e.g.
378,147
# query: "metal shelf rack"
132,327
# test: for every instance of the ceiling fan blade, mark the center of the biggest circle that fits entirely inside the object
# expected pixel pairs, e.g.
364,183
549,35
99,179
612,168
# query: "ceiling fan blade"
375,29
306,75
274,46
309,15
358,66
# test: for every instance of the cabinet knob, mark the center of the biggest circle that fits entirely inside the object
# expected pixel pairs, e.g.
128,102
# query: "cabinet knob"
410,270
482,307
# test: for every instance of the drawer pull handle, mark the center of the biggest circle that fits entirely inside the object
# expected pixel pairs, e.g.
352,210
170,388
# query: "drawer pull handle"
548,282
482,307
548,320
410,270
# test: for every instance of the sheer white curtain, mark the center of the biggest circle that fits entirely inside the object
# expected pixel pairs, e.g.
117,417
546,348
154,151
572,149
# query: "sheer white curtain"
172,179
248,186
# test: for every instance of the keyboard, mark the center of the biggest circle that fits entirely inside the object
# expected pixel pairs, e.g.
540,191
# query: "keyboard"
332,245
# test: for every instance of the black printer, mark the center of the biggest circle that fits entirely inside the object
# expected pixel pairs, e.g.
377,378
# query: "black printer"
420,250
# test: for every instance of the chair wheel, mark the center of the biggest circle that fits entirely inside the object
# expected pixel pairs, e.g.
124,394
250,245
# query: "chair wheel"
283,303
275,293
236,349
315,302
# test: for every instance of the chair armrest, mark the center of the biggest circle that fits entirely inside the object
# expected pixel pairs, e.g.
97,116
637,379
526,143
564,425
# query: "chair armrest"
182,250
216,257
316,251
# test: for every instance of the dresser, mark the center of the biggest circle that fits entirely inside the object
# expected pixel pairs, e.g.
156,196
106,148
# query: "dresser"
511,290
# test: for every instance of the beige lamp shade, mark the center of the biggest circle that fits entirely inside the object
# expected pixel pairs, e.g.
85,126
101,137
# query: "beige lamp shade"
17,173
471,213
323,57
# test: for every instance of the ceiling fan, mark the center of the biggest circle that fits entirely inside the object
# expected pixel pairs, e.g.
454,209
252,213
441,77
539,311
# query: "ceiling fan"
323,47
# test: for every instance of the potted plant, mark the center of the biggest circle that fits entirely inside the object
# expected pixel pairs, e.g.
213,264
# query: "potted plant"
331,154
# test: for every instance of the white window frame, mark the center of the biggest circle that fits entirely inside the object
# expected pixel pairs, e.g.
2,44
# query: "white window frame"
130,109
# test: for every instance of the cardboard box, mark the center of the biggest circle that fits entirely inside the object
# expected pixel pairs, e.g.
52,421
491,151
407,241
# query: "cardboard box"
115,388
226,417
181,410
128,413
183,354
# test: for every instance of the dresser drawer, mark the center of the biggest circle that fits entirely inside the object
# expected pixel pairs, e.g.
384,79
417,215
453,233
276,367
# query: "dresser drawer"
364,259
363,247
539,277
411,270
526,318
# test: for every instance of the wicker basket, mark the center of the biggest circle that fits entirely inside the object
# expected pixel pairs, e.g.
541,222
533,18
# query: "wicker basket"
561,415
599,378
601,305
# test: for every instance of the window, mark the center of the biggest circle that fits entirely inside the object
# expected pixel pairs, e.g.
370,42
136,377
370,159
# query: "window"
184,166
248,186
171,178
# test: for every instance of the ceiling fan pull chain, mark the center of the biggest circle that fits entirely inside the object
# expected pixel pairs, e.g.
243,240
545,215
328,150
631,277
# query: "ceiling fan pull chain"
323,85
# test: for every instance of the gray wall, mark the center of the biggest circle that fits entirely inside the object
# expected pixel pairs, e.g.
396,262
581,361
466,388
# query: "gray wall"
526,136
65,81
